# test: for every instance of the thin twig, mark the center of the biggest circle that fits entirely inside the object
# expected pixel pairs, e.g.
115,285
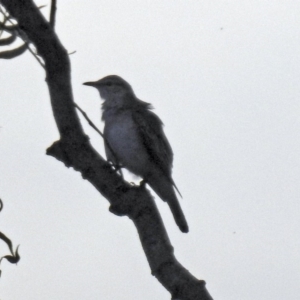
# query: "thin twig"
89,120
36,57
20,34
116,165
52,13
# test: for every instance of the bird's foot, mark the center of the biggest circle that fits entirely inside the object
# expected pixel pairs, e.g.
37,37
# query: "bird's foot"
143,183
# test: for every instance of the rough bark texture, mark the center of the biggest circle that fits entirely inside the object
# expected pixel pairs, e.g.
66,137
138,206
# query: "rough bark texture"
74,150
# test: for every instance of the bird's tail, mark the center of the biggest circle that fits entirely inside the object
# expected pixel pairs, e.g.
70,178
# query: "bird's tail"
178,214
165,191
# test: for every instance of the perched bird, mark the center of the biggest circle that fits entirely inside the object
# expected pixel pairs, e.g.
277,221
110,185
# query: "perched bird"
136,140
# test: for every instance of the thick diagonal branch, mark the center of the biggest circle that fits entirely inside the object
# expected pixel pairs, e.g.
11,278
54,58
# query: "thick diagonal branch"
74,150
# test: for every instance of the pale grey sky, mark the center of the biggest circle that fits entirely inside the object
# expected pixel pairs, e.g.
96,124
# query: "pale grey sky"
224,78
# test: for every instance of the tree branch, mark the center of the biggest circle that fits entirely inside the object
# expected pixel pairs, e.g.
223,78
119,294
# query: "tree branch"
75,150
52,13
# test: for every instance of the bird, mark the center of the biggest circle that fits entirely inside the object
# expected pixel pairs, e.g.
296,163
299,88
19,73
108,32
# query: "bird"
134,138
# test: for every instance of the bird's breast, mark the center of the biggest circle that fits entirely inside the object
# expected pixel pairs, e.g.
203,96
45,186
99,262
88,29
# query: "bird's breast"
122,135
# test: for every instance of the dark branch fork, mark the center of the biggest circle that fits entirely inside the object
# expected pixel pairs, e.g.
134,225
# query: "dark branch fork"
75,150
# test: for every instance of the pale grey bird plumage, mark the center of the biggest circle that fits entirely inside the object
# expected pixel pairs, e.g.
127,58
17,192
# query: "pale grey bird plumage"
135,136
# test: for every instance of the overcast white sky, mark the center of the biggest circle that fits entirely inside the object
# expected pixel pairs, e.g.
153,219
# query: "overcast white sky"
224,77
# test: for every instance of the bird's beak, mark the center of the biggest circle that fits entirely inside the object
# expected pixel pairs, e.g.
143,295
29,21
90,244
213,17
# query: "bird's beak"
90,83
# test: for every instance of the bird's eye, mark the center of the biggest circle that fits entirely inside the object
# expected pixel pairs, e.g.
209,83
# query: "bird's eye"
108,83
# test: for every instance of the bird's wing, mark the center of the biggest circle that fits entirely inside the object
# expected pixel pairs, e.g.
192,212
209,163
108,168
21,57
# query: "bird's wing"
150,129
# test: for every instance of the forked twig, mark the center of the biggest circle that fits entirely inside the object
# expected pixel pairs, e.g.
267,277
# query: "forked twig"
21,35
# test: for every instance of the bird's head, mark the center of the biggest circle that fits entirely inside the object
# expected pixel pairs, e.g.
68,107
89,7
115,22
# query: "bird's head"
113,89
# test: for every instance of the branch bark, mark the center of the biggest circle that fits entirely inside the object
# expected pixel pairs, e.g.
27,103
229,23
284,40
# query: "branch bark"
74,150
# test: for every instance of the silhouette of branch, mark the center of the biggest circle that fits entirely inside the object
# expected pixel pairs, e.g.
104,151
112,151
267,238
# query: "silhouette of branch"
74,149
14,257
9,40
9,54
8,242
15,31
52,13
